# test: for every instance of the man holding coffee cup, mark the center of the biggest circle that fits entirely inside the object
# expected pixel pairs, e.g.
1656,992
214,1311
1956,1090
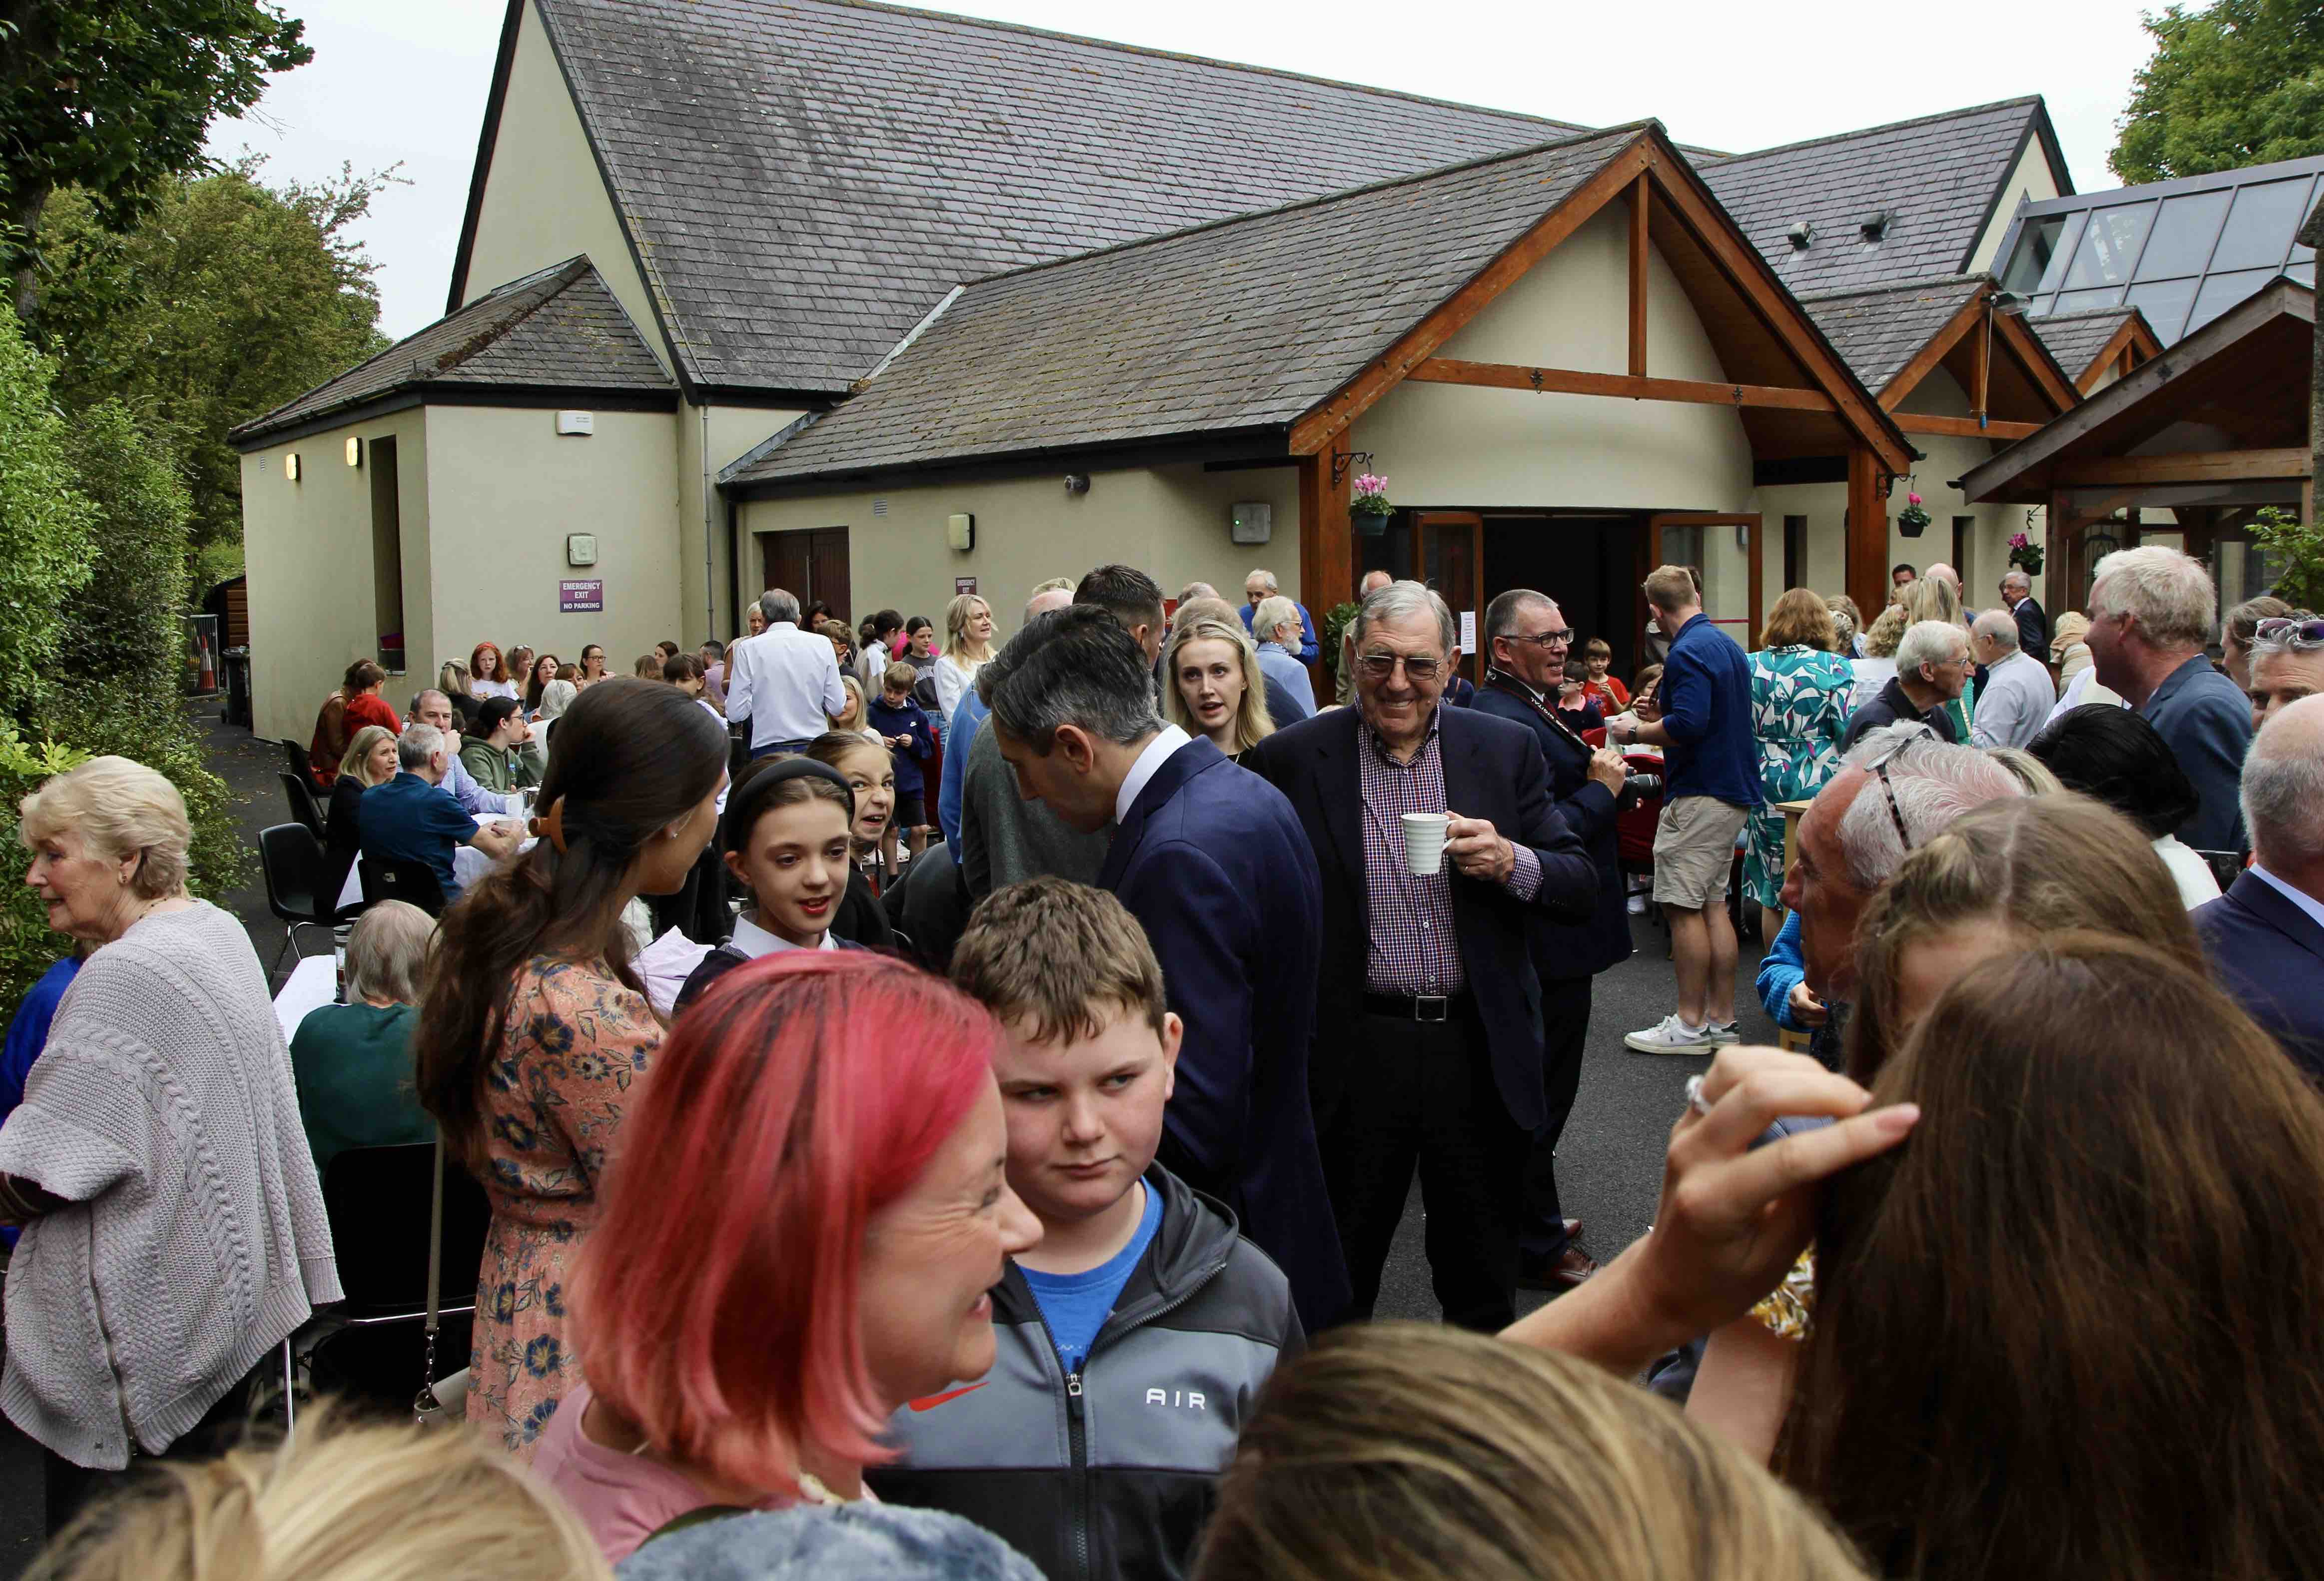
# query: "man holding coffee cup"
1438,848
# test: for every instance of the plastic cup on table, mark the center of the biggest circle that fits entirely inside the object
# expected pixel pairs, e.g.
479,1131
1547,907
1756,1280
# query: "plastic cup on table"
1423,843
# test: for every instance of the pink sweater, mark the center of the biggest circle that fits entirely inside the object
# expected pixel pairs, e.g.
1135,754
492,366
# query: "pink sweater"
623,1499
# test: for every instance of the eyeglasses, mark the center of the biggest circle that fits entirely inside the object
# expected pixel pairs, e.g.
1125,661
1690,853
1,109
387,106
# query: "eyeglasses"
1879,767
1543,639
1380,666
2290,632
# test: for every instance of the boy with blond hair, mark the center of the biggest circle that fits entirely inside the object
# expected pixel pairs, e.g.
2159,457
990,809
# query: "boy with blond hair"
1134,1339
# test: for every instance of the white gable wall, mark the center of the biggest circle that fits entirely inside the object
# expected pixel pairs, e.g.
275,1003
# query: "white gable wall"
2031,182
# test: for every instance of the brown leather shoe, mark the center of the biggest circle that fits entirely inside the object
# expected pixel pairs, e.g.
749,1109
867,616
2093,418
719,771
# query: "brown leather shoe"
1566,1273
1573,1229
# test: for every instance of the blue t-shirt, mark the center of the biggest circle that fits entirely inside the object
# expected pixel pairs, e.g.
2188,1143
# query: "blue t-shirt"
1075,1306
408,819
1706,700
28,1034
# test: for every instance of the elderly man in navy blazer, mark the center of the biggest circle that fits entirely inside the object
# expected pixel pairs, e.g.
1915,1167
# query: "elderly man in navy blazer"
1428,1047
2266,935
1215,868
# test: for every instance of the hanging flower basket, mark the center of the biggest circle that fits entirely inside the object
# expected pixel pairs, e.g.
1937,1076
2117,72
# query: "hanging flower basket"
1912,519
2025,554
1369,509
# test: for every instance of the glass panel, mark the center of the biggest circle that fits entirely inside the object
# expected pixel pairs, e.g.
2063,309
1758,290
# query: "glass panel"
2165,303
2075,302
2055,270
2043,306
2183,235
2305,274
2035,246
1723,555
2111,246
2222,291
2260,226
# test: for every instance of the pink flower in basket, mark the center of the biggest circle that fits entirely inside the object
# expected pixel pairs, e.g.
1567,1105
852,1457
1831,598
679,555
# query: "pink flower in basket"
1912,499
2017,540
1371,495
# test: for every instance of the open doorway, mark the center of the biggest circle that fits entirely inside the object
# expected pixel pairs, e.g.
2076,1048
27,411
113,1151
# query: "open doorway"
1588,562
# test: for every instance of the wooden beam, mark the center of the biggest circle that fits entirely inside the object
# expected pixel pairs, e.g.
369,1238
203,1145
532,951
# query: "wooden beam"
1981,362
1865,571
1327,553
1939,347
2039,364
1318,428
2184,466
1964,428
1639,255
1442,370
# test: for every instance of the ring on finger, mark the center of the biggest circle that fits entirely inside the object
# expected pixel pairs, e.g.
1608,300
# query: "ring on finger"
1694,1098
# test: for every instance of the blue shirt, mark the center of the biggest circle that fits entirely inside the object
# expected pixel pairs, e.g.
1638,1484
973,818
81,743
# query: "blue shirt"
1706,697
1275,663
28,1034
908,720
408,819
1308,648
2206,721
960,734
1781,971
1075,1306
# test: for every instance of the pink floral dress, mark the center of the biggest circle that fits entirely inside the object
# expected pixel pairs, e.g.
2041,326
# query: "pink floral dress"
572,1044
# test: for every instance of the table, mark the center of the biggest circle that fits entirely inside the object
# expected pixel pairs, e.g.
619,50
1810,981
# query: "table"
469,865
314,983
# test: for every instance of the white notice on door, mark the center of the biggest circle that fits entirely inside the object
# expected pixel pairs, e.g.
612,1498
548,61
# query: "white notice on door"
1467,631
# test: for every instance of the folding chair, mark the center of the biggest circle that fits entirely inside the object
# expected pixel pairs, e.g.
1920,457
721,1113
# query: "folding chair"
292,858
303,806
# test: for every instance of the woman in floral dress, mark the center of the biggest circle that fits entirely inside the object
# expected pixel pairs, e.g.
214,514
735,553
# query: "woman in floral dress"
1799,710
536,1029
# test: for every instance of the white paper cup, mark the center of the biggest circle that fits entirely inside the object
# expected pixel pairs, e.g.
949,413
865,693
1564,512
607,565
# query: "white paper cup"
1423,842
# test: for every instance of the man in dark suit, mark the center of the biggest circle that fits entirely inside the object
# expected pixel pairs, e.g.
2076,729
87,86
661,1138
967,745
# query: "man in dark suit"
2266,935
1526,642
1428,1048
2032,624
1217,870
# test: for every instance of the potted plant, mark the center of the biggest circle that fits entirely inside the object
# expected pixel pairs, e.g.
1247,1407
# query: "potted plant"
1912,519
2025,554
1369,509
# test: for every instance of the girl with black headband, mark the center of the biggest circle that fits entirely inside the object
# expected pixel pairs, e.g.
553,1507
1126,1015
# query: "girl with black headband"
785,835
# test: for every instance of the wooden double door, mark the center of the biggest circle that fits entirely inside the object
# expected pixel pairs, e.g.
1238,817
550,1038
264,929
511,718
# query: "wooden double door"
811,564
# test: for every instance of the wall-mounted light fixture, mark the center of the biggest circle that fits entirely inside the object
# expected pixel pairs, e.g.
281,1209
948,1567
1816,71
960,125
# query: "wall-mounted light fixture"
290,465
581,423
1251,522
580,548
355,450
1077,483
960,532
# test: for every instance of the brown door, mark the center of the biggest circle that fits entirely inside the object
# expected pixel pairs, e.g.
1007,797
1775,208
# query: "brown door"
1448,552
1731,578
810,565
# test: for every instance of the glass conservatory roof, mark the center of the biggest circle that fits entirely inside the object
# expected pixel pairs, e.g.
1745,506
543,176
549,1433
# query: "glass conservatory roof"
2182,251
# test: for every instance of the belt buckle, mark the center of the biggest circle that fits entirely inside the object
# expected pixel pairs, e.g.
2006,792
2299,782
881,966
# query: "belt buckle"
1423,1004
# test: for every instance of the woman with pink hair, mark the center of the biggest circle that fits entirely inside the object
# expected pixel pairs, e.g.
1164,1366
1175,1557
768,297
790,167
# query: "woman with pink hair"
809,1208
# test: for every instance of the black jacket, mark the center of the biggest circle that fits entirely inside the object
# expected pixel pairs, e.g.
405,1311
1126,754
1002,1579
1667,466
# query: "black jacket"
1564,951
2033,629
1111,1472
1889,707
1492,771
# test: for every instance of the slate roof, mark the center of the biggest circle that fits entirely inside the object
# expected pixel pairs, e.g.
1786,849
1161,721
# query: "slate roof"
2075,340
1245,323
1877,332
805,179
559,329
1940,175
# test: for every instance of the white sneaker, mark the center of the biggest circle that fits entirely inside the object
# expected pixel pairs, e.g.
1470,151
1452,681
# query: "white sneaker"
1671,1036
1722,1033
1638,905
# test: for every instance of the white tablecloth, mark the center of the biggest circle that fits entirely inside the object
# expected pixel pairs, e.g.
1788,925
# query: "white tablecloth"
312,985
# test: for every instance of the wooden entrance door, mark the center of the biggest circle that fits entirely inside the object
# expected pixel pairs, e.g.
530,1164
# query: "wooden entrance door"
811,565
1448,554
1732,577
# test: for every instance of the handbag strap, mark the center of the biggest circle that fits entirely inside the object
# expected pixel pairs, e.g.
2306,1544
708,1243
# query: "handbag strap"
434,1264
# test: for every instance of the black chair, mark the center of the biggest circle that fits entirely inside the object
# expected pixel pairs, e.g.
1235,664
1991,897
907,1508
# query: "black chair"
303,806
296,756
415,882
292,858
371,1348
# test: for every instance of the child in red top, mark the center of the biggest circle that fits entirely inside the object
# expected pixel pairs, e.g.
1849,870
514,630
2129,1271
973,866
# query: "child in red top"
1612,695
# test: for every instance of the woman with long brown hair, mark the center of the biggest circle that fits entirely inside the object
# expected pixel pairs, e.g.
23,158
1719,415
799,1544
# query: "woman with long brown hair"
2069,1329
536,1026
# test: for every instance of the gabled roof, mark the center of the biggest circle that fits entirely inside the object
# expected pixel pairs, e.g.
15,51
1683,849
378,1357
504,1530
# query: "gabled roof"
1940,178
1233,329
1879,332
560,330
2078,339
803,179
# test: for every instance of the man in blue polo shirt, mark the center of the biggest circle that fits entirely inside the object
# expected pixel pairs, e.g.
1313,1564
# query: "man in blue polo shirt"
413,818
1701,719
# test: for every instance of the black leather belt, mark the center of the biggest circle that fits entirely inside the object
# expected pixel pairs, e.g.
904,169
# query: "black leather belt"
1419,1007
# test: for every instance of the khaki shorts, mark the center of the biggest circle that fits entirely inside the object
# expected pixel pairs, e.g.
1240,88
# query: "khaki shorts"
1695,848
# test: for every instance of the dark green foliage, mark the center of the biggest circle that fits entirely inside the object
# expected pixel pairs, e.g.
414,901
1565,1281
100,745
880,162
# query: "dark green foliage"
2239,82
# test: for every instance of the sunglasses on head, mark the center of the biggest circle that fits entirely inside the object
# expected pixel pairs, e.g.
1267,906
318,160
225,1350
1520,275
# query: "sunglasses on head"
2291,631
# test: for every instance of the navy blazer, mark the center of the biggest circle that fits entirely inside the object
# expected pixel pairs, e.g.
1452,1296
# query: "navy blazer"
1565,951
2032,628
2205,719
2268,955
1492,771
1215,868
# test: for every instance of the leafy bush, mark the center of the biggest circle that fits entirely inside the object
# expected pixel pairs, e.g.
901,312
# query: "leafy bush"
2299,547
123,626
1335,621
44,523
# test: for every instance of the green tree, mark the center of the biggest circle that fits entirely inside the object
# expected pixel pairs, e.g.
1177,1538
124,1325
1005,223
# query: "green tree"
123,625
45,524
2240,82
111,96
227,300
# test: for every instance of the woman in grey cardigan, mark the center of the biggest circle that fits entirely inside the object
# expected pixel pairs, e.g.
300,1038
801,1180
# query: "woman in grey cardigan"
173,1229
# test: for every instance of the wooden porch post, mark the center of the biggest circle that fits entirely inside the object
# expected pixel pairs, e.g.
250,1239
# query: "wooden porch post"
1866,573
1327,550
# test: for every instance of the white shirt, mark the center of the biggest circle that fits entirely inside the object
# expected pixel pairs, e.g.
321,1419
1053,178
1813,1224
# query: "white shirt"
953,677
2189,871
2015,704
493,688
714,713
753,940
2299,898
1158,752
786,682
2085,688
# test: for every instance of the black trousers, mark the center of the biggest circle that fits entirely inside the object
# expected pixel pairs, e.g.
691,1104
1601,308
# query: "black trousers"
1420,1095
1564,1029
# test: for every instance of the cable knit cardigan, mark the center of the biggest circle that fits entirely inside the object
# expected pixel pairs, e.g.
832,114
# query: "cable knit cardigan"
193,1238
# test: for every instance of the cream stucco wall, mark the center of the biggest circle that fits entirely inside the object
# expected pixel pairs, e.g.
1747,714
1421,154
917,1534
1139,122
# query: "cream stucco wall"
1446,445
308,546
709,439
505,488
1169,521
2031,182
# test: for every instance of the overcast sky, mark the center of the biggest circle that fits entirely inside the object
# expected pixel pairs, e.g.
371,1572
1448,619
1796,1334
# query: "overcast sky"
404,80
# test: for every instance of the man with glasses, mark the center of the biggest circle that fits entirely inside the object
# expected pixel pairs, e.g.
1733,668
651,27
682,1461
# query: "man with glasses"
1931,668
1701,718
2287,663
1428,1033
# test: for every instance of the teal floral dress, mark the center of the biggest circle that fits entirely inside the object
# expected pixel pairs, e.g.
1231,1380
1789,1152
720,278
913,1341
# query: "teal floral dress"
574,1044
1799,711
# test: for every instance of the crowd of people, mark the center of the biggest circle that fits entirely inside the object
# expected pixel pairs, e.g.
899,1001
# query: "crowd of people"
944,1103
